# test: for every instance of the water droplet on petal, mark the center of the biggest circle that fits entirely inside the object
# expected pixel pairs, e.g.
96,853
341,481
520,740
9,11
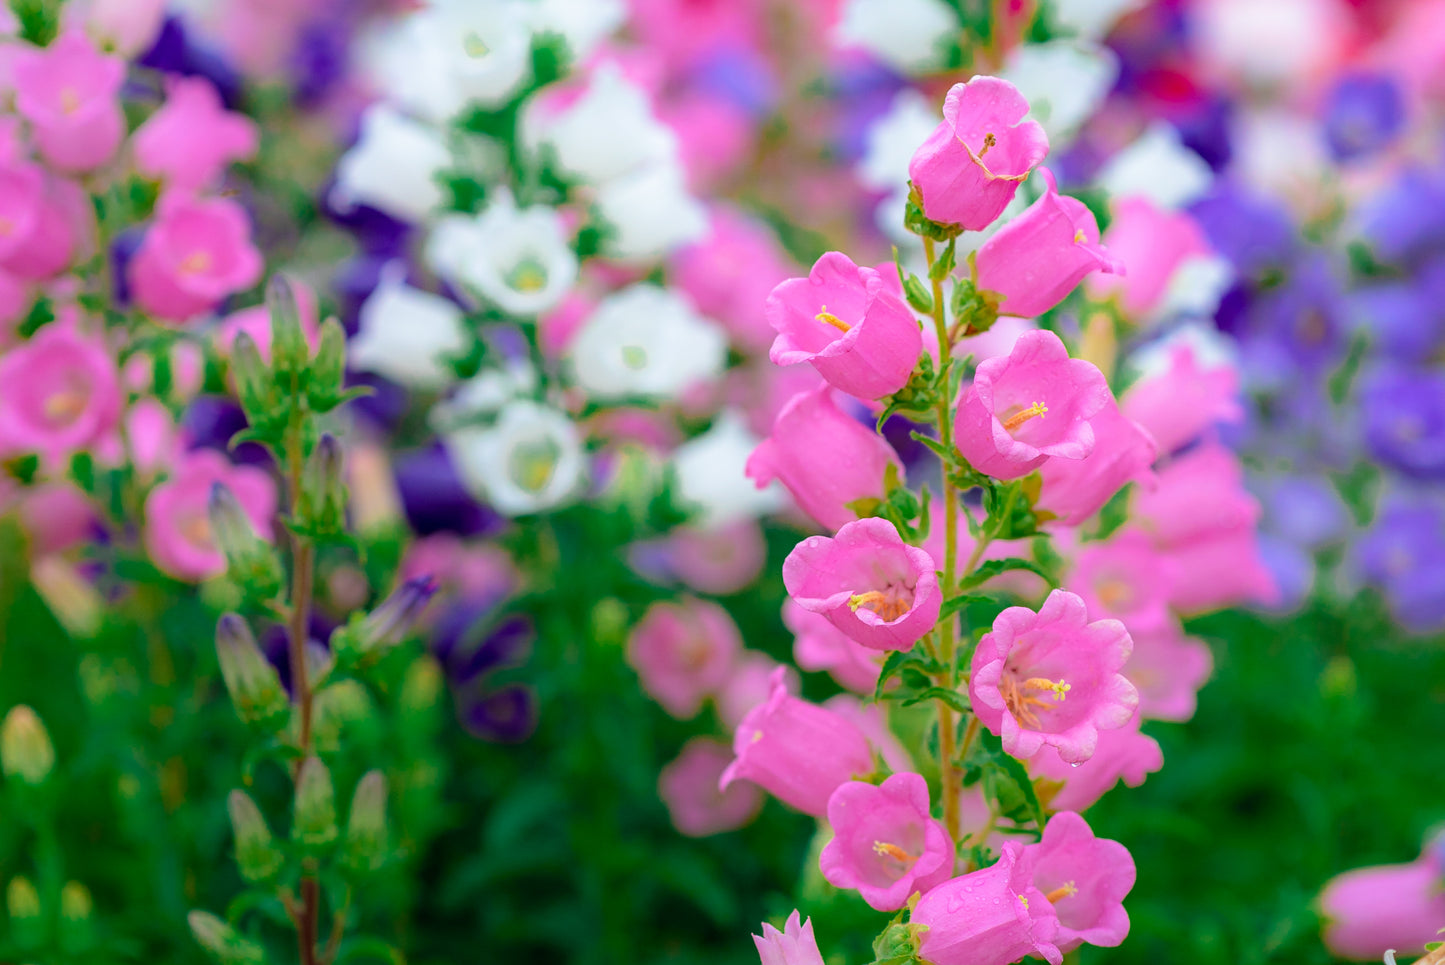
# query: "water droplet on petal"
1076,763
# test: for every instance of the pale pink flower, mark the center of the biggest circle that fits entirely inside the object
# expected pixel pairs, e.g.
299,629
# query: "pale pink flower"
797,751
1168,669
61,393
194,255
1075,489
847,322
1399,906
1052,677
189,142
177,525
721,559
819,645
1154,243
1126,578
1124,754
1176,406
683,652
750,685
1037,258
689,788
870,584
825,458
993,916
729,274
1029,406
37,231
886,844
970,167
794,945
70,94
1085,878
872,719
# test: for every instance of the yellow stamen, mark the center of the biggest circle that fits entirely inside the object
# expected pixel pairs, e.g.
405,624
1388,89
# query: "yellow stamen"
1065,890
757,736
1023,901
197,530
828,318
1114,594
1019,418
988,141
69,100
64,405
885,605
6,227
1058,687
1079,238
196,262
474,46
529,278
893,851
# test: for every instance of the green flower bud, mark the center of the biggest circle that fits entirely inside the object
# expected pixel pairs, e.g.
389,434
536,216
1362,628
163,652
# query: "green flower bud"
419,701
254,386
321,508
76,932
256,853
26,753
387,625
366,831
253,683
340,706
251,561
918,294
22,901
328,370
290,355
314,821
222,942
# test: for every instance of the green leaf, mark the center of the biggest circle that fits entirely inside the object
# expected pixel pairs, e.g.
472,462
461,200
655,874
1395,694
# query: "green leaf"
891,666
988,569
955,604
943,265
952,698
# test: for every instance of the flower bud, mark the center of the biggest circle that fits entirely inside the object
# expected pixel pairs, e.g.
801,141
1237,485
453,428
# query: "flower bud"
253,382
250,560
917,294
224,943
321,508
253,683
387,625
25,749
256,853
366,831
290,355
314,821
340,706
76,905
328,370
27,924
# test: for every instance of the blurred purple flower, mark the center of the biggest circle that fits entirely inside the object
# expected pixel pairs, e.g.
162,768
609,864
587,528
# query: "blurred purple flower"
1363,114
1304,316
433,497
210,421
1404,419
1404,555
1407,217
1253,232
1303,510
175,51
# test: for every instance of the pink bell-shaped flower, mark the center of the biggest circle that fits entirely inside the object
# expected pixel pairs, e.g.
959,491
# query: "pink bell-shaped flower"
1123,754
1052,677
885,843
870,584
193,256
1075,489
847,321
70,94
970,167
683,652
819,645
994,916
794,945
1085,878
191,139
1028,406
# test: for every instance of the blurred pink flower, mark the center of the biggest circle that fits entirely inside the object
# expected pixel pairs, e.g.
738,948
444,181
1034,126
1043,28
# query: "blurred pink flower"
177,525
61,393
70,94
689,788
195,253
1176,406
1122,754
1399,906
189,142
683,652
729,274
819,645
1075,489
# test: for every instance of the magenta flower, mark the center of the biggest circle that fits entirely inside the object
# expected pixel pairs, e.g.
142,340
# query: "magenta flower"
1085,878
1124,754
818,645
177,529
683,652
1126,578
70,94
1155,244
61,393
794,945
825,458
1076,489
1028,406
994,916
189,142
971,165
194,255
1052,677
688,786
797,751
870,584
1177,405
847,322
1168,669
1036,259
1399,906
886,844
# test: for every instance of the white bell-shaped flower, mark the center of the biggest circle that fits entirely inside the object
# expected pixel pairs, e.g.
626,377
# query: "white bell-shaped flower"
529,461
408,334
392,167
645,342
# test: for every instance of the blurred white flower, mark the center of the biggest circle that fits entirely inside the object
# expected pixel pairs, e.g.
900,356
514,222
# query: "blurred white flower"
439,59
392,167
1064,82
709,474
406,334
519,260
891,141
1282,154
909,35
1159,167
609,131
582,23
1090,18
1278,42
531,460
645,341
484,394
1195,288
1210,347
651,213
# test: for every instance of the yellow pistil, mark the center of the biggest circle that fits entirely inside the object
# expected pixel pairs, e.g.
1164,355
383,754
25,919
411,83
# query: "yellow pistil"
6,227
1058,687
196,262
988,141
528,277
1019,418
64,405
828,318
69,100
474,46
1114,594
886,605
1065,890
893,851
1079,237
197,530
1023,901
1021,701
